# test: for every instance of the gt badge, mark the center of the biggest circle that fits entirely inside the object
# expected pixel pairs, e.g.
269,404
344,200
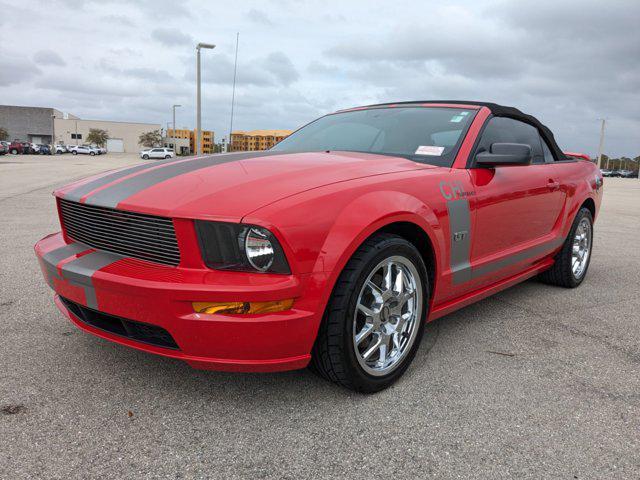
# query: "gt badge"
459,236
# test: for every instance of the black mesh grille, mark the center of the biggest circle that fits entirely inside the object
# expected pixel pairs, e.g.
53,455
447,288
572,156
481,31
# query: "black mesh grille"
138,331
137,235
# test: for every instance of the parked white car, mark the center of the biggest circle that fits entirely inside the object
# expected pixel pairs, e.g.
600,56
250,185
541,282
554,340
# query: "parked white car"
84,150
61,149
157,153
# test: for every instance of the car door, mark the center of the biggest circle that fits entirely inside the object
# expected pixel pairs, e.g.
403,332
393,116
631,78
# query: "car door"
156,153
518,208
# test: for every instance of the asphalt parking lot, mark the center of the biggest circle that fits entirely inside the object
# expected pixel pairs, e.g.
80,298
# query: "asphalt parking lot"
535,382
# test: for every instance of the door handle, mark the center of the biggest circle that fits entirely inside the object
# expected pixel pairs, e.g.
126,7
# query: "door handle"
553,185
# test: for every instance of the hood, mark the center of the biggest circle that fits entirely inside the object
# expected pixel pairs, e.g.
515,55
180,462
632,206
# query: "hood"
226,186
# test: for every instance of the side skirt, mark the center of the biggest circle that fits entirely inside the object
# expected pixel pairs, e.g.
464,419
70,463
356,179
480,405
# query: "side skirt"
484,292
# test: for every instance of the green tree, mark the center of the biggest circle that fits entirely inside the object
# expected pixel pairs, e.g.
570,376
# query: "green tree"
150,139
97,136
4,135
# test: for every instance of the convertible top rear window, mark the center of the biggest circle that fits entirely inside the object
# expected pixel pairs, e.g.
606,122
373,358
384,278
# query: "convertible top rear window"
422,134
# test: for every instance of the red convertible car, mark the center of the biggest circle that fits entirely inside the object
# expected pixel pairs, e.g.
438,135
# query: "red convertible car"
333,248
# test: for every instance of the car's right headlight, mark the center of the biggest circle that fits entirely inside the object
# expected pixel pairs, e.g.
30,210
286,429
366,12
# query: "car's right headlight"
236,246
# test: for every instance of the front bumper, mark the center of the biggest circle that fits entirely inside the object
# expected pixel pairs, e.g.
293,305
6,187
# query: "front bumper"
160,295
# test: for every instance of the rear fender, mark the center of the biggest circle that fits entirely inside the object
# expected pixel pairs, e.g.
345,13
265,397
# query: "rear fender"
588,185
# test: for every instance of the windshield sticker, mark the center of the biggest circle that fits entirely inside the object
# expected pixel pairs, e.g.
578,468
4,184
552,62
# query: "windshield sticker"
429,150
464,113
457,119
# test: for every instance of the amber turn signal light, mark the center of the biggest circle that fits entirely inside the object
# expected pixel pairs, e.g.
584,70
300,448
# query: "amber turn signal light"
242,307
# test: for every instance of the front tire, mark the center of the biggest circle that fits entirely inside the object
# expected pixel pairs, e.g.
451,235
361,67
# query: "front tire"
73,152
14,152
374,321
572,262
145,157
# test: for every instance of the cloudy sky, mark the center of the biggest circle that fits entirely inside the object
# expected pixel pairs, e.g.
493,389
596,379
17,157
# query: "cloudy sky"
567,62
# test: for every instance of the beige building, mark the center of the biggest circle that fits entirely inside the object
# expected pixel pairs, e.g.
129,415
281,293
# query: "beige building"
183,137
182,146
256,139
123,136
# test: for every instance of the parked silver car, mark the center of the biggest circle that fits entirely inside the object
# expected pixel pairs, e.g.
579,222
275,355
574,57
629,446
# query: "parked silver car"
84,150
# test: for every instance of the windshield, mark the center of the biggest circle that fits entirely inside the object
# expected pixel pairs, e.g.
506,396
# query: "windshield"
427,135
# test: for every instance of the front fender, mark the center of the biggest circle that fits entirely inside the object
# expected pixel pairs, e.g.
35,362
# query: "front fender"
351,228
369,213
320,231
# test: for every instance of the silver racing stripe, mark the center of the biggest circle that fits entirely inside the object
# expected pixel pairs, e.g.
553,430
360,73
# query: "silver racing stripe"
80,272
50,260
111,196
77,193
460,239
529,253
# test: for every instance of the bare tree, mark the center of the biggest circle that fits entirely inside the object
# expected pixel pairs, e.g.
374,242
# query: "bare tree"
4,135
150,139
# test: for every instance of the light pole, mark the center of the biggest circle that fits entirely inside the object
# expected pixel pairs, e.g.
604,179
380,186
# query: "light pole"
173,134
601,144
53,134
198,108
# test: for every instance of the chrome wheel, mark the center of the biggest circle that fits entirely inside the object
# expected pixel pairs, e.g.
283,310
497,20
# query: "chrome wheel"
387,316
581,248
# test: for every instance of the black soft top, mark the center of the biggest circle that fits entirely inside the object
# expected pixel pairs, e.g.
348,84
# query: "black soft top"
498,111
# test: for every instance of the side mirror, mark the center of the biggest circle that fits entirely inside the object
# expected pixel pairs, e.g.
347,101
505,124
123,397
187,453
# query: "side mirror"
502,154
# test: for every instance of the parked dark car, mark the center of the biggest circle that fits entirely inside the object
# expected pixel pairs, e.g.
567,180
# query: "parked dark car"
44,149
628,174
28,148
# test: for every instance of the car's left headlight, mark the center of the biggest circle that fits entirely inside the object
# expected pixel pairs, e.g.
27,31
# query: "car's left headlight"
236,246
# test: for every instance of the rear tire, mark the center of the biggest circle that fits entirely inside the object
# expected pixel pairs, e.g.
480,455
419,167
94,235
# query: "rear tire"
345,349
14,152
572,261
